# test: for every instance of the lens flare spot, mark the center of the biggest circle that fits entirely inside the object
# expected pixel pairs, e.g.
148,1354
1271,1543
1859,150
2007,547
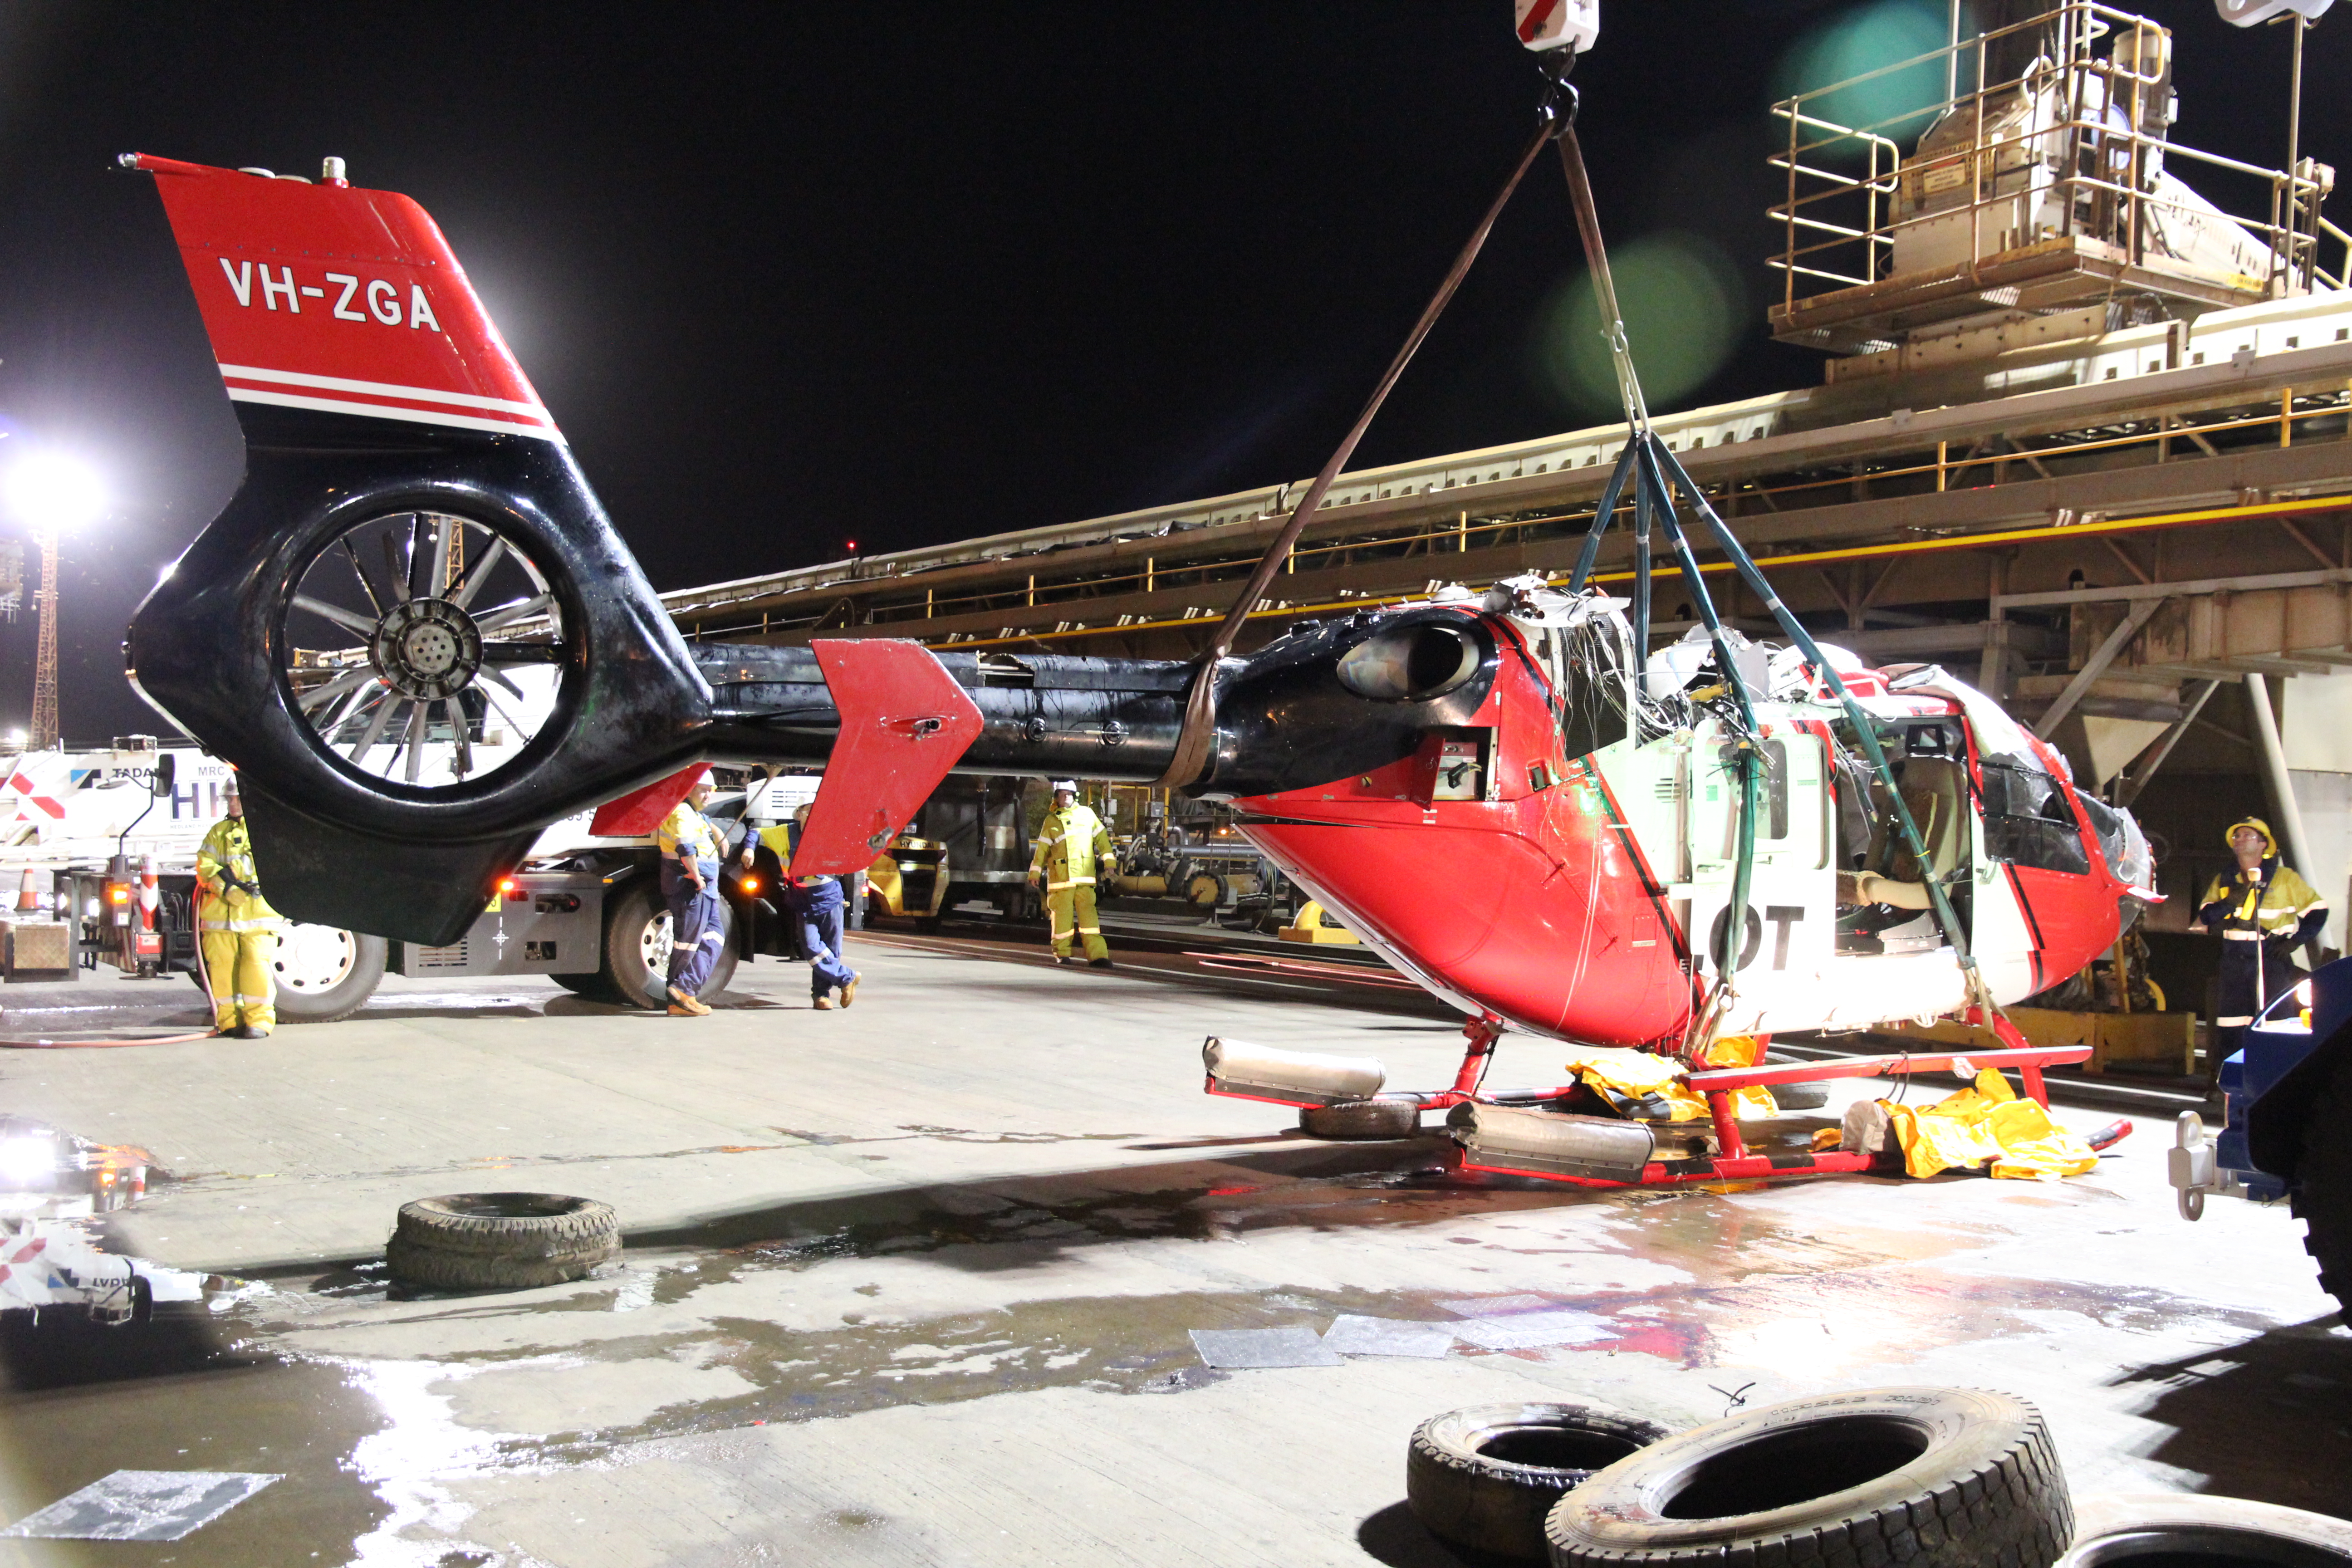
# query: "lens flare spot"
1685,308
1863,39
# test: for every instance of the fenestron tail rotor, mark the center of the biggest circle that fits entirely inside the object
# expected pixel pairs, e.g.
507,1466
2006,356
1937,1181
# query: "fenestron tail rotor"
424,648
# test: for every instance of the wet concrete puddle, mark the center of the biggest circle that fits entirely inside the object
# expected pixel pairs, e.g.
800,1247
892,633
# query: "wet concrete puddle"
371,1399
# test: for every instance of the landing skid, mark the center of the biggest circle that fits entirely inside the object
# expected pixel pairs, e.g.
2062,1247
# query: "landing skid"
1521,1140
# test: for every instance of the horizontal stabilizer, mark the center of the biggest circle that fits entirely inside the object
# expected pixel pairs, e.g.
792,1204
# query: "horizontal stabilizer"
904,724
421,891
1289,1077
639,811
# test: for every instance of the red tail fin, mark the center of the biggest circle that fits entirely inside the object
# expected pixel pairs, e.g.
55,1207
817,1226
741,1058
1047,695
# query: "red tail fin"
904,723
343,300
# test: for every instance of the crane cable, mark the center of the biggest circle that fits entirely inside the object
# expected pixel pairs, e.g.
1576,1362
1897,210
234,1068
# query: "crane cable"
1658,477
1191,754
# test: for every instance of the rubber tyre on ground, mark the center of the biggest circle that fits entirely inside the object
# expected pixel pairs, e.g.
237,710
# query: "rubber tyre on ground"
2183,1528
474,1241
1796,1096
1482,1479
1926,1478
1362,1119
630,974
325,973
2322,1196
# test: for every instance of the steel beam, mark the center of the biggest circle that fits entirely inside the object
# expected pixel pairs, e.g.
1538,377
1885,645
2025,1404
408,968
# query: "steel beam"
2097,665
1755,440
2136,781
2288,815
2199,587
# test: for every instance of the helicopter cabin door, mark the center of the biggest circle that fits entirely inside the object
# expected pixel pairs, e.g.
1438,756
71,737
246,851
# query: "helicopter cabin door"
1791,927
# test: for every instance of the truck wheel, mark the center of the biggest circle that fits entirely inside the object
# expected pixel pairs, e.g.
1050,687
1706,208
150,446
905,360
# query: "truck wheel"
1483,1478
473,1241
2322,1196
637,947
325,973
1927,1478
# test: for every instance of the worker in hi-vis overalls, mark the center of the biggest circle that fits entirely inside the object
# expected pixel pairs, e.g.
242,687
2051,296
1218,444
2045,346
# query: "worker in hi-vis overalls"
236,928
2264,911
690,847
1071,842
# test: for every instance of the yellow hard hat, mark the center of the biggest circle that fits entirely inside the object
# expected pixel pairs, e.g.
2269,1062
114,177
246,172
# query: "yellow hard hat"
2270,839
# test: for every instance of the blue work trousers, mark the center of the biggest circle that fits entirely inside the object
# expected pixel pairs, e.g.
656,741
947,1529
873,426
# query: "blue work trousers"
697,924
820,934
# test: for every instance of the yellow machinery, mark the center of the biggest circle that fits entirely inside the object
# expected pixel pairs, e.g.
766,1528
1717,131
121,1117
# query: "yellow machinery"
1311,926
2113,1005
908,877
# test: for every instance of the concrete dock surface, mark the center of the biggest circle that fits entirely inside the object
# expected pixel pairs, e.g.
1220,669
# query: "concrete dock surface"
913,1282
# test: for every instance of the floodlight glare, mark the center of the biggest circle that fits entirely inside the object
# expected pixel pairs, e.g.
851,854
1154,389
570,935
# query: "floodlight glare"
49,490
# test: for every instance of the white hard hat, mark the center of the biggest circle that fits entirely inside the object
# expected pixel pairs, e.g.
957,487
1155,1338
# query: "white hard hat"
705,779
1061,784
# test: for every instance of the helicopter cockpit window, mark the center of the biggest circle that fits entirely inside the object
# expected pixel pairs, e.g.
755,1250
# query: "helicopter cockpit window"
2120,840
2029,821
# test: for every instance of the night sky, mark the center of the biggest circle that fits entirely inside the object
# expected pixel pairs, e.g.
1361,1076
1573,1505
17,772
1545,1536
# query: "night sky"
790,277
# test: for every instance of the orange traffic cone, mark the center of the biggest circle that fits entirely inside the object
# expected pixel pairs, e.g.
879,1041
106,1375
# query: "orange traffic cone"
149,894
28,894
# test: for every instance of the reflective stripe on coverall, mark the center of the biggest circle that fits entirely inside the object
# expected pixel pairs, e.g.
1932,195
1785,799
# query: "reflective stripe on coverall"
818,904
238,931
698,927
2260,916
1070,842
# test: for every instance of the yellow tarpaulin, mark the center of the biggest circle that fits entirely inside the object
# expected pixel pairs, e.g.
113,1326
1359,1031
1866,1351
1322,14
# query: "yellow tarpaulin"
1651,1088
1744,1051
1988,1124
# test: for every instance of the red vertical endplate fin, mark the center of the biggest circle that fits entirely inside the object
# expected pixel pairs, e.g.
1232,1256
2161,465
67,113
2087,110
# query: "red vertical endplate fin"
905,722
340,300
640,811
